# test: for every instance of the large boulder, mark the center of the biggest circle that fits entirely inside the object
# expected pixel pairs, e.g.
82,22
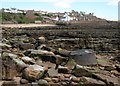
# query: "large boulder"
42,54
81,71
33,72
27,59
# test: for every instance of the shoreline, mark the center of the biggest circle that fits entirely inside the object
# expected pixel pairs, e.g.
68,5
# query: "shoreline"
24,25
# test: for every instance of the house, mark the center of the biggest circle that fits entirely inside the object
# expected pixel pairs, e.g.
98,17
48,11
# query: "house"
30,14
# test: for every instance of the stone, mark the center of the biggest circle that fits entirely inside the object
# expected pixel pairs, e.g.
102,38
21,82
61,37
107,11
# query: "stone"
110,67
27,59
42,39
20,64
48,79
84,57
46,64
62,69
103,62
108,79
34,84
52,72
74,84
55,80
17,79
3,45
60,77
63,83
81,71
118,67
9,83
60,60
1,83
87,81
38,53
42,82
25,46
64,52
67,75
70,64
115,72
75,79
33,72
9,55
54,84
24,81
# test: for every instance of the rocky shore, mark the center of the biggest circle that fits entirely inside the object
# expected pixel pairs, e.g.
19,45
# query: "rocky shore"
45,56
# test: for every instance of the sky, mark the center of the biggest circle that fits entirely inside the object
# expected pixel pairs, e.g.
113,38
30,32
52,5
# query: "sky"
106,9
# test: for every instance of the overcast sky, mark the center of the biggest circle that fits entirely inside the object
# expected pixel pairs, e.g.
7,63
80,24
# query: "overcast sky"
107,9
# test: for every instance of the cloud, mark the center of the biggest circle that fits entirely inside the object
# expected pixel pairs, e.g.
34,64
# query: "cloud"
63,3
113,2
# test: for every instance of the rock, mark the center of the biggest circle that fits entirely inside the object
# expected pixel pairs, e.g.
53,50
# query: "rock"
70,64
74,84
39,53
1,83
67,75
44,47
81,71
61,77
42,82
62,69
33,72
60,60
20,64
63,83
25,46
42,40
9,83
118,67
55,80
17,79
54,84
24,81
108,79
52,72
87,81
34,84
115,72
48,79
84,57
64,52
9,55
103,62
75,79
46,64
27,59
3,45
110,67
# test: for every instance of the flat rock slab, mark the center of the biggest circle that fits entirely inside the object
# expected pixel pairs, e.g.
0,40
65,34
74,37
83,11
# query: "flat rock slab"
52,72
109,79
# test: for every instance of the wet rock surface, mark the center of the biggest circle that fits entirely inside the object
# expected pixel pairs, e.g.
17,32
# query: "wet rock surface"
42,57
